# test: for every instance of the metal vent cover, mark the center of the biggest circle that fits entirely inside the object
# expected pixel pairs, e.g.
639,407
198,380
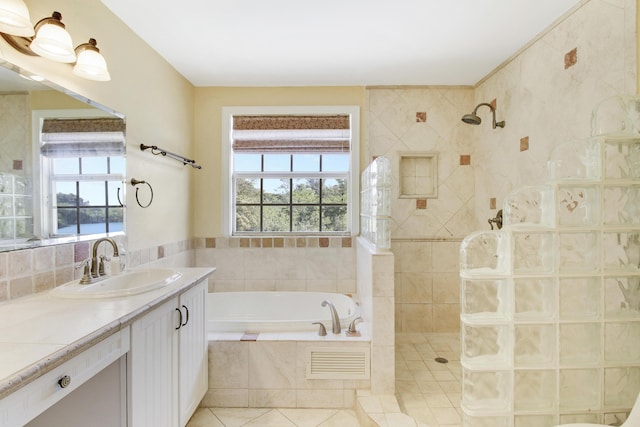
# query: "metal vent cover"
326,363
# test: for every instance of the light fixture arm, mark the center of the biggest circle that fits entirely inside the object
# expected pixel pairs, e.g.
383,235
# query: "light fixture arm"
493,112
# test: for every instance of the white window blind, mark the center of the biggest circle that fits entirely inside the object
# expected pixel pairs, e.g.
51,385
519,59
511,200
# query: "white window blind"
82,137
291,134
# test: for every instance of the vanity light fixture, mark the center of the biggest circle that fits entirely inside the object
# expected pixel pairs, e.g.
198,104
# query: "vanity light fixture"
52,41
15,19
90,63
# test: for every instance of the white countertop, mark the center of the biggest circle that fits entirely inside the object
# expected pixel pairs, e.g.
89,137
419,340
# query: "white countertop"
41,331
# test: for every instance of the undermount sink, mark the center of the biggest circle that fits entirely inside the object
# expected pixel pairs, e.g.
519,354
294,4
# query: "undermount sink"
131,282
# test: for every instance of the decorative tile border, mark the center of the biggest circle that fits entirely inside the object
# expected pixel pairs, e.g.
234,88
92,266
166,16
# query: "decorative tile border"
272,242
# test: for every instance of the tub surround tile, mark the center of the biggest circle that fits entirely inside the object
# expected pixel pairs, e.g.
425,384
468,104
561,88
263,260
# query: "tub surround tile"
228,366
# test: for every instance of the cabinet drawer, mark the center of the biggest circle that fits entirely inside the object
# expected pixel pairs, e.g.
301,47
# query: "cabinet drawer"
34,398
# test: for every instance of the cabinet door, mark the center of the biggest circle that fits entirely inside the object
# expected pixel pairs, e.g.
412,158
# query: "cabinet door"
153,368
193,351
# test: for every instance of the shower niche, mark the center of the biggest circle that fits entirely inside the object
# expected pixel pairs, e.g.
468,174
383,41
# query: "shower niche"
550,304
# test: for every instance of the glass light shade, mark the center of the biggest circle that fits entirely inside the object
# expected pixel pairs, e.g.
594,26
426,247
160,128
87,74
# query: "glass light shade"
53,41
14,18
91,65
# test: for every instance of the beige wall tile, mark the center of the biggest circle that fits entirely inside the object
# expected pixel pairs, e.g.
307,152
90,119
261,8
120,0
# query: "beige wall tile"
446,317
446,288
417,318
416,288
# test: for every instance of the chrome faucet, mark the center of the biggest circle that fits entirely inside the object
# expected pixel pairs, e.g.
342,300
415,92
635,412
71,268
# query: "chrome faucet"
335,320
97,264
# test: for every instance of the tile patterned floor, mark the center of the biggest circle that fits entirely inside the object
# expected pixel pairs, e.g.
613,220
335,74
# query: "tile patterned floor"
236,417
427,390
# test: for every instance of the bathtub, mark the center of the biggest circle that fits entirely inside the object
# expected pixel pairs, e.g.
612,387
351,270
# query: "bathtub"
255,312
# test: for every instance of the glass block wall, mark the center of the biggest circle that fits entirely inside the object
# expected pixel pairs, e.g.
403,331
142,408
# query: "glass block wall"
550,304
16,208
375,203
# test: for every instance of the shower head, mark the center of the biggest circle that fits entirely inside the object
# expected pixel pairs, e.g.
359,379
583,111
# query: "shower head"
471,119
474,119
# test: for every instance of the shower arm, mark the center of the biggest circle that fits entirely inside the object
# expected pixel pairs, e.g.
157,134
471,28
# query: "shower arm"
493,112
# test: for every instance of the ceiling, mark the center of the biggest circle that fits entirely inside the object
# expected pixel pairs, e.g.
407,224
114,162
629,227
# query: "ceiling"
337,42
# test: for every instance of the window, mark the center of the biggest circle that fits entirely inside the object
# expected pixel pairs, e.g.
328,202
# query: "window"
291,171
87,196
82,170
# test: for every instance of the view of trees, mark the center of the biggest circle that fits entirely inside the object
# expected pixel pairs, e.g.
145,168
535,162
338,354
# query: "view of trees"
68,211
312,205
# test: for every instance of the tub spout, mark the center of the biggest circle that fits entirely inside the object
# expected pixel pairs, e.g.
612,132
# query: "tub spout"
335,320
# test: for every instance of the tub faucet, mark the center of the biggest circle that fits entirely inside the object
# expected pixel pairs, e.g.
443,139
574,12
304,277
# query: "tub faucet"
335,320
97,264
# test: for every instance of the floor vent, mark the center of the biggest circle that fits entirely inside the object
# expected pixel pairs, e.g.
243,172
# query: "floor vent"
338,363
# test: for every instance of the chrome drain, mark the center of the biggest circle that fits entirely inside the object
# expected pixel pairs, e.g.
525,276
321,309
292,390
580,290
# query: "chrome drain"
441,360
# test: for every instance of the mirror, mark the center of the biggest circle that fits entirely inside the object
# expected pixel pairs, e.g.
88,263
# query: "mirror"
62,165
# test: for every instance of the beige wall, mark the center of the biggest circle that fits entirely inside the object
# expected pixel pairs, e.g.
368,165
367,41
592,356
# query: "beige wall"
208,136
156,100
547,103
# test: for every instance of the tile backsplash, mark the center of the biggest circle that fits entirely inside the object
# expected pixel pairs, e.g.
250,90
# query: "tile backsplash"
28,271
326,264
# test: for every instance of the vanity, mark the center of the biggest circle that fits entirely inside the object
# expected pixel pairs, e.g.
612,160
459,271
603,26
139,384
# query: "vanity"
135,360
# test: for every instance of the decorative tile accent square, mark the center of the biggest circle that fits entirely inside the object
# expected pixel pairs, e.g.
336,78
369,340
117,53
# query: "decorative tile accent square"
245,242
524,143
278,242
323,242
17,165
492,203
571,58
421,117
346,242
210,242
421,203
465,160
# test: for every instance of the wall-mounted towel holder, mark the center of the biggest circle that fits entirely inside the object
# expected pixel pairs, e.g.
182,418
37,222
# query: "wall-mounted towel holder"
155,150
135,183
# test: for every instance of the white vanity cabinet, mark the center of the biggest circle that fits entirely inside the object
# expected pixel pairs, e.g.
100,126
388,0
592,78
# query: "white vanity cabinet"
39,398
167,363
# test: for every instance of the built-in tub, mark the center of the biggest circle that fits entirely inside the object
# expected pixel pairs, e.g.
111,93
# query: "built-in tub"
255,312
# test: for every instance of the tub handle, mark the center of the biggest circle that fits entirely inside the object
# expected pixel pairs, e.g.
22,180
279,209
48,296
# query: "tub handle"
352,326
323,331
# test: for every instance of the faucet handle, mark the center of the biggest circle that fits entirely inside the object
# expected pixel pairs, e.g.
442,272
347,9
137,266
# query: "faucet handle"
86,273
323,331
352,325
101,271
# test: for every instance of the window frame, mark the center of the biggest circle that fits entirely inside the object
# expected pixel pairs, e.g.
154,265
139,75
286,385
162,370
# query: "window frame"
227,166
44,215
